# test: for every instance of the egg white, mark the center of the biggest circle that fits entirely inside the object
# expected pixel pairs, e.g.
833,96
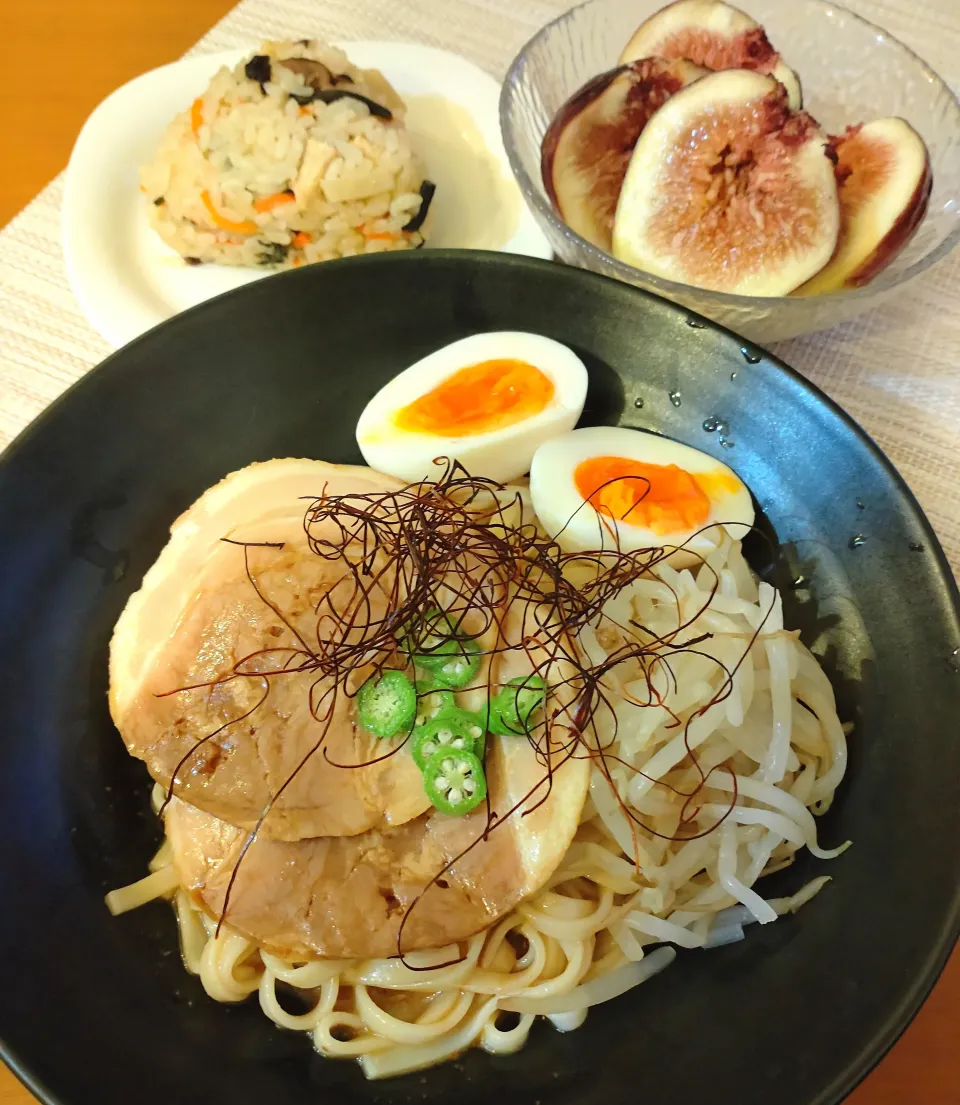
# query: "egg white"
502,454
578,527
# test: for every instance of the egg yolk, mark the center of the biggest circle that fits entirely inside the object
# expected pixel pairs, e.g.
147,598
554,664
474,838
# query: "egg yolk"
482,397
663,498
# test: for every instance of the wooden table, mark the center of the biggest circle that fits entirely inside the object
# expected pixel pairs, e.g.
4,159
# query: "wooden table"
87,48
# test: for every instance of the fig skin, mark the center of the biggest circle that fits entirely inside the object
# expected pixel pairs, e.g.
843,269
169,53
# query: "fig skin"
587,147
714,35
729,190
884,181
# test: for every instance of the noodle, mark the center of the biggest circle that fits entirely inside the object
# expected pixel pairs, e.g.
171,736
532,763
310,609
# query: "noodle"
668,850
161,882
306,1022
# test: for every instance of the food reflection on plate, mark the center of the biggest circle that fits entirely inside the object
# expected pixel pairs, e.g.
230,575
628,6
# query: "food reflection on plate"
437,753
694,160
295,155
477,203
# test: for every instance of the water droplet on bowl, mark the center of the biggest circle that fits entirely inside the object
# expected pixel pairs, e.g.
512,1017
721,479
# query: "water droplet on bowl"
749,356
696,324
723,429
861,505
638,402
856,541
915,546
733,375
675,398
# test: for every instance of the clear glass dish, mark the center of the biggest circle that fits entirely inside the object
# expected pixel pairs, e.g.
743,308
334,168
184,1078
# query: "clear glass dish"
851,71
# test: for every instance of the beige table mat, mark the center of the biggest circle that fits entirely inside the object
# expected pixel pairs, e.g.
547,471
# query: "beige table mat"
895,369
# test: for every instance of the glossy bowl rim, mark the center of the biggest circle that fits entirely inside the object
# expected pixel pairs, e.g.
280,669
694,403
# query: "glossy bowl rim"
675,290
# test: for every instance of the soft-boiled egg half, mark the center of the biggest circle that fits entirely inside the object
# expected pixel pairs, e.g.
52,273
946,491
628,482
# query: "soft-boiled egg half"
608,487
488,401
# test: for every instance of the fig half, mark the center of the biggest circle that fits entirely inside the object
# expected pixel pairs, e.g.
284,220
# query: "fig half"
587,147
729,189
884,181
714,35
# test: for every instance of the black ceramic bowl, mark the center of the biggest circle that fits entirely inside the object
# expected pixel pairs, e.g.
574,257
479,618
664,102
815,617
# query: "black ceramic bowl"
99,1010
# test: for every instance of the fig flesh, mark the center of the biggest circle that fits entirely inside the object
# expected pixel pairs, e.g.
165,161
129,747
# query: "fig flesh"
587,147
730,190
884,181
714,35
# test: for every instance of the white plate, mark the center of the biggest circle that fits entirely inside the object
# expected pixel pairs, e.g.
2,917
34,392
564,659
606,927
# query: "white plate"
125,278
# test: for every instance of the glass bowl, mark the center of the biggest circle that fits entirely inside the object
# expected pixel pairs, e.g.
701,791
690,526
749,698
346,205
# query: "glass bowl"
851,71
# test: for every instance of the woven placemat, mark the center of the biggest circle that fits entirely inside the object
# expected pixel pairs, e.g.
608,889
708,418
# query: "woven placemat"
894,369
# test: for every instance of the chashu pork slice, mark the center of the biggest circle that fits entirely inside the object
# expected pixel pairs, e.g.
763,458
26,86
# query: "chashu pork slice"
347,897
197,615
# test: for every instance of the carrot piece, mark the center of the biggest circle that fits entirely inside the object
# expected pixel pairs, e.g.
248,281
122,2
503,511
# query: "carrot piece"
244,227
297,262
301,239
196,116
268,203
382,235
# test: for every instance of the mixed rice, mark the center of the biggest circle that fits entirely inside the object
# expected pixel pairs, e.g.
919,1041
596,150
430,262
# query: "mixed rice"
294,156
